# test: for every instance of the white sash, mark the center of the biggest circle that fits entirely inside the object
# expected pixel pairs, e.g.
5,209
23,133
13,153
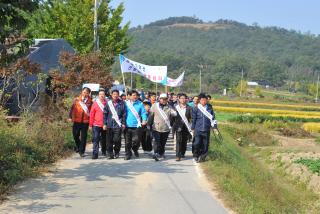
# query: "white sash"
134,112
184,119
208,115
84,107
114,113
163,115
101,106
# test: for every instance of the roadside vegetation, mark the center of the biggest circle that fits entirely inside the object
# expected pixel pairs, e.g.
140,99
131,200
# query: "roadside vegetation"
30,144
269,160
245,179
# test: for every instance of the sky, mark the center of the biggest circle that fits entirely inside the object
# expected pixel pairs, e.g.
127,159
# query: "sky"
299,15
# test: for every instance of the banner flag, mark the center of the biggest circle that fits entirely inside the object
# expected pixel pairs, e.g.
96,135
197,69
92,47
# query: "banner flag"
174,82
156,74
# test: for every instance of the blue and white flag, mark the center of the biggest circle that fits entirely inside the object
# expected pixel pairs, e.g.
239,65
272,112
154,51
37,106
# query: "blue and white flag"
156,74
173,82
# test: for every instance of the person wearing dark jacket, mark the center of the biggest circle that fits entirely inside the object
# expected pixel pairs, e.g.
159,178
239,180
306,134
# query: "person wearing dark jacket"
146,135
202,121
114,122
182,126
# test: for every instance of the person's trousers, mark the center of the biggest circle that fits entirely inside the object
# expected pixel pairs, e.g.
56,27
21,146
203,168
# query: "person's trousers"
80,133
146,139
160,140
133,137
98,136
182,138
113,141
201,143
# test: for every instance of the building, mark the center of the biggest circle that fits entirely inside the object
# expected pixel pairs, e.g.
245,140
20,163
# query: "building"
46,53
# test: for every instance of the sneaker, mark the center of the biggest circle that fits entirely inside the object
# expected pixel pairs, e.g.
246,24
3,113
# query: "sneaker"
202,159
116,155
196,159
136,153
178,159
155,157
127,158
94,157
82,155
110,157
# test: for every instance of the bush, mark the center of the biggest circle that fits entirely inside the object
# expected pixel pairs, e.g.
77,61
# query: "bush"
312,164
251,135
29,144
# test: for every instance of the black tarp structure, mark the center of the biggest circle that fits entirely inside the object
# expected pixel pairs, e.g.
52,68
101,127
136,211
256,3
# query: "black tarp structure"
46,53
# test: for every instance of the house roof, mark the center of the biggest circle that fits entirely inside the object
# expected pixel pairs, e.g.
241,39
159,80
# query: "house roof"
46,53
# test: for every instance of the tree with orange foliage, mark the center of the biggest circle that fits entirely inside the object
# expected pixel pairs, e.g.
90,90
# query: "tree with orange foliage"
80,69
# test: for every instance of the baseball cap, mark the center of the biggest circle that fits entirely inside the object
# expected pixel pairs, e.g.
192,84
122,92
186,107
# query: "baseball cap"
164,96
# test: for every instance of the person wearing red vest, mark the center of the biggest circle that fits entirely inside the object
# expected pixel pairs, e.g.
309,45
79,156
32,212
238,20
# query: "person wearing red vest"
96,125
80,114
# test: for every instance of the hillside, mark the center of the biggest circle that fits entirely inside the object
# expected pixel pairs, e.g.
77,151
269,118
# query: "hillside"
225,48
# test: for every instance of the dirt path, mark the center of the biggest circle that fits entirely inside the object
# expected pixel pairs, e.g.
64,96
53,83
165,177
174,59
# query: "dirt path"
116,186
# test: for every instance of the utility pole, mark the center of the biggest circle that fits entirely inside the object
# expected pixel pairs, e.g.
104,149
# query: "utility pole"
317,92
241,82
200,84
95,26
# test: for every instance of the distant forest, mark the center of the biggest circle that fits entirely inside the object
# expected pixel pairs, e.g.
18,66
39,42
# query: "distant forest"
270,55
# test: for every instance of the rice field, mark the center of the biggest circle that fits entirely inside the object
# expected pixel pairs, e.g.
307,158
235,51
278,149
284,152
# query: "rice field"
270,109
311,127
276,112
266,105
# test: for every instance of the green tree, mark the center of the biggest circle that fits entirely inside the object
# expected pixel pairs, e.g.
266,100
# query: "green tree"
242,87
12,22
73,20
312,89
258,92
14,46
269,71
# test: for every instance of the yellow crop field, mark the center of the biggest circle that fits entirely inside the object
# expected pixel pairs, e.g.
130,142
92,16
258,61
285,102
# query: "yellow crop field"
295,116
311,127
257,104
268,111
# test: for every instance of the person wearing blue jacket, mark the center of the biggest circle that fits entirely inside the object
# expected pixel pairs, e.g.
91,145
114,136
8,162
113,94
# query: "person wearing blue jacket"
201,126
136,117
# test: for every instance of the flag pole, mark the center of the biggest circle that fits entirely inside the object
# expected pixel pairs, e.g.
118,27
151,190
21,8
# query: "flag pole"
95,26
124,83
241,82
317,93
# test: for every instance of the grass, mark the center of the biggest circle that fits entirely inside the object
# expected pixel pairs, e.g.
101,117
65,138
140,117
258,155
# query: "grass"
248,186
29,145
312,164
224,116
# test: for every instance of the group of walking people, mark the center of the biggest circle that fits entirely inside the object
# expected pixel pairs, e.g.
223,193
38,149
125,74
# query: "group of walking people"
143,121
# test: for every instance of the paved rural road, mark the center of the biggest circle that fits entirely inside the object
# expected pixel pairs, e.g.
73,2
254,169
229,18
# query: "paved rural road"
116,186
